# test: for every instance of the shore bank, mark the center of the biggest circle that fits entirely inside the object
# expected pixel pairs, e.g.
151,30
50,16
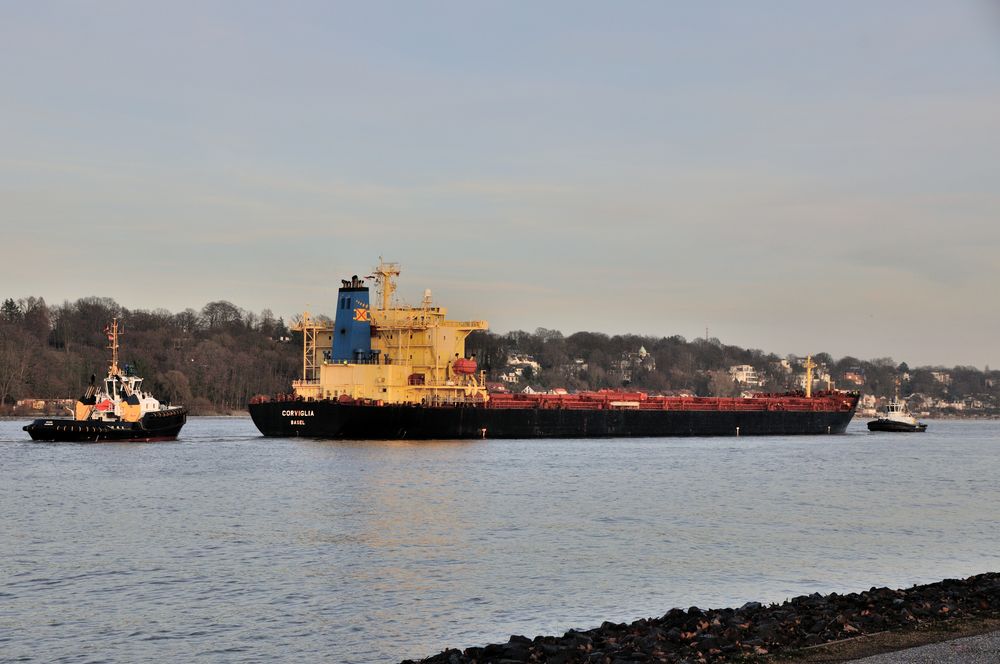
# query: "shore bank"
810,628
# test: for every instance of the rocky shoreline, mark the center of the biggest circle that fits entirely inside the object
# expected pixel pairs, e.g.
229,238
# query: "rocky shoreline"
753,632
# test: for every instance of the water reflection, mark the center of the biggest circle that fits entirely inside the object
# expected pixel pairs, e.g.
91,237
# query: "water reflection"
230,545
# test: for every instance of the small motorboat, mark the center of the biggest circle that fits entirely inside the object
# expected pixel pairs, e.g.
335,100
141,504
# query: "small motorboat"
897,419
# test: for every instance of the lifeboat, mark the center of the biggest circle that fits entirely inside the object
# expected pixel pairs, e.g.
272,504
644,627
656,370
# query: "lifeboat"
464,366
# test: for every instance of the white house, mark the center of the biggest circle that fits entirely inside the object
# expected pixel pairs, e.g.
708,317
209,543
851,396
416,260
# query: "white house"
745,374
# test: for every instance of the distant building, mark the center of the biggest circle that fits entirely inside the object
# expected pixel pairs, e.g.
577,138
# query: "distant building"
942,377
43,405
516,366
745,375
521,360
855,376
512,376
867,406
631,362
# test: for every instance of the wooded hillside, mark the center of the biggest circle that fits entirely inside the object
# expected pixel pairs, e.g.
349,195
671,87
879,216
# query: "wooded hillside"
215,359
212,360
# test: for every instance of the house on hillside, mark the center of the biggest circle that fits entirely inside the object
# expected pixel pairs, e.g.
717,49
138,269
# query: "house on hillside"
855,376
519,366
631,362
745,375
43,405
942,377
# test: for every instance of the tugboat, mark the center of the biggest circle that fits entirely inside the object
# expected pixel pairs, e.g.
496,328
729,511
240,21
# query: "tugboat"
897,419
117,410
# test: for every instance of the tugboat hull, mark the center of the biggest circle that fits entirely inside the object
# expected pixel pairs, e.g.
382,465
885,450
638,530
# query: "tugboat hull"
895,427
157,426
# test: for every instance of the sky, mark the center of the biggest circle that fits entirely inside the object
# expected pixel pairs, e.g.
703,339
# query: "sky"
793,176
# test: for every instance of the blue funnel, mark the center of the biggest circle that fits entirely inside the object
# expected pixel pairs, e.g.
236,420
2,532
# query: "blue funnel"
352,334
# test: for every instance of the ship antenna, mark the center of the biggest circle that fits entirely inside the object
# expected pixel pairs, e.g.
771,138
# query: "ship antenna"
384,274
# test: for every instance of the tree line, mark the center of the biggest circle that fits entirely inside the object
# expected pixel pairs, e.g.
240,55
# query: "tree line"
591,360
212,360
216,358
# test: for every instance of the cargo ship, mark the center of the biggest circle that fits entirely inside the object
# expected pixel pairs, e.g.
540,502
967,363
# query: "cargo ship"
117,410
383,371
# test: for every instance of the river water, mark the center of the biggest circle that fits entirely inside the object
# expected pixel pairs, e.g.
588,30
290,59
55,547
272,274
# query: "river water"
227,546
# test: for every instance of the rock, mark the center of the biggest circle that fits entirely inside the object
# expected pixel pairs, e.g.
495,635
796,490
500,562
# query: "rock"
493,651
717,635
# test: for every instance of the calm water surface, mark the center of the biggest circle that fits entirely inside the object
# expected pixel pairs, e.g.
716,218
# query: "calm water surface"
226,546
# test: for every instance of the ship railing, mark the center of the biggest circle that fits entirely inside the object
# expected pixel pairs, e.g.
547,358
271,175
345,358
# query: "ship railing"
474,324
631,401
304,383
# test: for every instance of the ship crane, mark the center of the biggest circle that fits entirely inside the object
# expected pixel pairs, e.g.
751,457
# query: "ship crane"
809,365
311,330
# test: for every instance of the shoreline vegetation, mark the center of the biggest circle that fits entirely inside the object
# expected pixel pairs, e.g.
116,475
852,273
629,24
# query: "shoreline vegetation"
809,628
213,360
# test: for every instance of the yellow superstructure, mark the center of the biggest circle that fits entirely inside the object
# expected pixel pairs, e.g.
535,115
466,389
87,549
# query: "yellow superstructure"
417,354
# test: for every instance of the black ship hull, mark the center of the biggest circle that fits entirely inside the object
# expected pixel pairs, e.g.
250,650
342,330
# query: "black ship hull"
153,427
895,427
331,419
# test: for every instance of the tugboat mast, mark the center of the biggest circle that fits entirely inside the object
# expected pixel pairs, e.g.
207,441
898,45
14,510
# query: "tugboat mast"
112,332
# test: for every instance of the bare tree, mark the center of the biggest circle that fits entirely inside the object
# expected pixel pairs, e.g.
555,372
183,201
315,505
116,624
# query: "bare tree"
15,359
721,384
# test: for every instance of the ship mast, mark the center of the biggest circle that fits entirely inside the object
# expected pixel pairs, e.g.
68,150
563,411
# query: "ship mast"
809,365
112,332
384,274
